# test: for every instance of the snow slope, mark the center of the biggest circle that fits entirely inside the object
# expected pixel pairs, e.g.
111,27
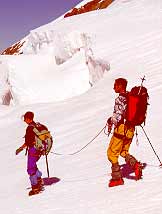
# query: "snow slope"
128,35
54,82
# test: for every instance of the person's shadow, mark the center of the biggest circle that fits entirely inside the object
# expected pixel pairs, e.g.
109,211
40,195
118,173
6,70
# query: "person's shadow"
49,181
127,171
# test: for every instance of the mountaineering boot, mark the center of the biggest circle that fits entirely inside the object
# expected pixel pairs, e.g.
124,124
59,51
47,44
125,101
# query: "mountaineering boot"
118,182
116,176
138,171
40,183
130,160
35,190
136,166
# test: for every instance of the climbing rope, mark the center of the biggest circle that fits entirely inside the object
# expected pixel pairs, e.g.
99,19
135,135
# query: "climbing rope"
83,146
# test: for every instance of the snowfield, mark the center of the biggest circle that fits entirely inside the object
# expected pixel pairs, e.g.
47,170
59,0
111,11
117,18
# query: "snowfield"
57,78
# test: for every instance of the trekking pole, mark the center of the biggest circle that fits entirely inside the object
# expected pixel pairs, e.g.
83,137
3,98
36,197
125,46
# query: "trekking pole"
151,145
46,161
47,166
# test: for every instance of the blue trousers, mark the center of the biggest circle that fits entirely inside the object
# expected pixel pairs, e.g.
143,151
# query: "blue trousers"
32,169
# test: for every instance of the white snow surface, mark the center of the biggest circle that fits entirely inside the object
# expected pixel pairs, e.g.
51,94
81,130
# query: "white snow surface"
128,35
37,78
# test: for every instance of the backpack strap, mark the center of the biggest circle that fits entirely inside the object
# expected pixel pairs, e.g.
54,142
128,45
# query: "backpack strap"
42,135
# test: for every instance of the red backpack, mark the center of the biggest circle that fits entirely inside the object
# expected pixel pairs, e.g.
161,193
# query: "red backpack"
137,102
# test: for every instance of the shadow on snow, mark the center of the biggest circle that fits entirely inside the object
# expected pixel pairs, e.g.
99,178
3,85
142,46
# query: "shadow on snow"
50,181
127,171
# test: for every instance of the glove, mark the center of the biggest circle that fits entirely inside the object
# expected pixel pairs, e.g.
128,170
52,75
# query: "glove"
18,150
109,124
109,121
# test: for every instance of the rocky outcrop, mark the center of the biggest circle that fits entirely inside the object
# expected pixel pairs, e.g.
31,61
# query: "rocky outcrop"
14,49
90,6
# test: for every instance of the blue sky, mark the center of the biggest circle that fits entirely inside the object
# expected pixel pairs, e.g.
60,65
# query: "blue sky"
18,17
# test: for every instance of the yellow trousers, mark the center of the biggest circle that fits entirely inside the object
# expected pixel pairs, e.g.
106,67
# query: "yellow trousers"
120,142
